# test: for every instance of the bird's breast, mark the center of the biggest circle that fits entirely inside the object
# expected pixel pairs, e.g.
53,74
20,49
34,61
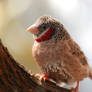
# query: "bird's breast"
46,53
49,58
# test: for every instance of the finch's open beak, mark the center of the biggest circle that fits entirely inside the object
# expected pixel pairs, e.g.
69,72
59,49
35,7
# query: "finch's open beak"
32,29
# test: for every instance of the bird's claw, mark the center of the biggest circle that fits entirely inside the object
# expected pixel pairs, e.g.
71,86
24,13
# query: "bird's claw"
44,77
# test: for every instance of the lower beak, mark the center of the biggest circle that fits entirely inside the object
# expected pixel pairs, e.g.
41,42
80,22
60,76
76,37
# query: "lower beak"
32,29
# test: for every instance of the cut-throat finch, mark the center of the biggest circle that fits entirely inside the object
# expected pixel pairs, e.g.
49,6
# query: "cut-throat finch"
59,57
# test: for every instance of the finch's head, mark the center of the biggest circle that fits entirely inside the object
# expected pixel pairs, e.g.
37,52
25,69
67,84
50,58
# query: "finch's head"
45,28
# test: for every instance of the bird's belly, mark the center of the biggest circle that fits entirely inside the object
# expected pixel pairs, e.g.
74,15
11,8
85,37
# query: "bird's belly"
57,72
51,64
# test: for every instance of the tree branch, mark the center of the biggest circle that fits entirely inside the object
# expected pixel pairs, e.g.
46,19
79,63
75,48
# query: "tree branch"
15,78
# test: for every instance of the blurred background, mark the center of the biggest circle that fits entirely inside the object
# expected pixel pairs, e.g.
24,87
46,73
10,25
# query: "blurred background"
17,15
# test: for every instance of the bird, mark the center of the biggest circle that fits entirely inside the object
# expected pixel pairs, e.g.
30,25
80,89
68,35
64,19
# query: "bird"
59,57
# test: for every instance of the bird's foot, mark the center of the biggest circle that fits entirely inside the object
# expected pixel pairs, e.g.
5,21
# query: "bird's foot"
44,77
75,89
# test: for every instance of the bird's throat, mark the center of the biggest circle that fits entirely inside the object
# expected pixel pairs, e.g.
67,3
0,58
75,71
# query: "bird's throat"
46,35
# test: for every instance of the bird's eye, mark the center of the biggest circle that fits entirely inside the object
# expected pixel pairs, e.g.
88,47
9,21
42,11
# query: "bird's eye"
44,27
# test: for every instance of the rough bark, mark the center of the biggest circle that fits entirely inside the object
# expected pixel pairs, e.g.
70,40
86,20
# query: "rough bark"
15,78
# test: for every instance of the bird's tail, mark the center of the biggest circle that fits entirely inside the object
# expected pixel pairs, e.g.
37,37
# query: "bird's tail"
90,73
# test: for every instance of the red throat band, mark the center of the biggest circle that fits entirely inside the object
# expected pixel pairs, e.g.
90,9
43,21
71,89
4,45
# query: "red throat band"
46,36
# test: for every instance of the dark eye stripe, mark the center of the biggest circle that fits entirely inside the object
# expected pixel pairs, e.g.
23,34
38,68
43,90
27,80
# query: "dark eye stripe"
43,27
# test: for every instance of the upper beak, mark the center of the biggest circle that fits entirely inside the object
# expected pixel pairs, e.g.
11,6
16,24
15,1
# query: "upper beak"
33,29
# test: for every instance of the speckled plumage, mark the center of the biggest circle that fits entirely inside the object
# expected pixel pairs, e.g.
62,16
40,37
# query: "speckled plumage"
58,62
60,57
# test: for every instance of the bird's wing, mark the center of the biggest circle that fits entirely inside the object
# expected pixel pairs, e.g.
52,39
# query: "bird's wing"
76,51
74,60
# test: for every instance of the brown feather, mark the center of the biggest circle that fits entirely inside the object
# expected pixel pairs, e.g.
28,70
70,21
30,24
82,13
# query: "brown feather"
60,58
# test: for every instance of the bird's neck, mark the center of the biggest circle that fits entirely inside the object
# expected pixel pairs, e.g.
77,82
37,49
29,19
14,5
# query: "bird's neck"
46,36
54,34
